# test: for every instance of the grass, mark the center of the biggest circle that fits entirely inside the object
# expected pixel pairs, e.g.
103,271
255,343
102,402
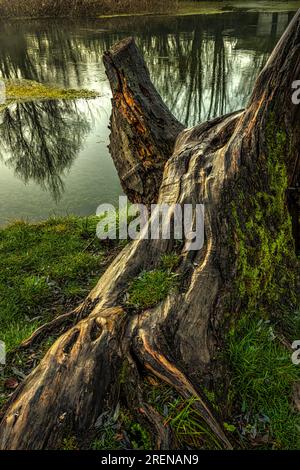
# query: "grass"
45,269
262,382
170,261
150,288
121,432
28,90
48,267
188,427
267,286
106,441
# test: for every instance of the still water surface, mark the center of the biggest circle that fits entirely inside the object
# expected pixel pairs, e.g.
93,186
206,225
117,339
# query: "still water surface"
53,154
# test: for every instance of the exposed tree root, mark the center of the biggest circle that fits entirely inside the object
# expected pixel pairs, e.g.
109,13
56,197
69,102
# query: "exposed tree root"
159,366
54,326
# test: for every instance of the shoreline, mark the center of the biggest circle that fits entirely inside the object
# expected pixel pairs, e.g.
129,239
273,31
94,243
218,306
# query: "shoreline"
188,9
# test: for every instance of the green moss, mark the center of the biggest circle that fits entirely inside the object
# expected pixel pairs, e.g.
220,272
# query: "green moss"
150,288
139,437
263,231
70,443
212,398
266,284
170,261
28,90
123,377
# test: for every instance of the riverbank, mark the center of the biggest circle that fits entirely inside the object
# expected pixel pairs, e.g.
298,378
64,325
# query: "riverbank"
108,8
226,6
81,8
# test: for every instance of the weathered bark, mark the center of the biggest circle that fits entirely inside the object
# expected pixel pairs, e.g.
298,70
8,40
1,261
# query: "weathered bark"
143,130
231,165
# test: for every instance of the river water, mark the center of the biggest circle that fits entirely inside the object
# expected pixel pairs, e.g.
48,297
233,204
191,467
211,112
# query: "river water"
54,158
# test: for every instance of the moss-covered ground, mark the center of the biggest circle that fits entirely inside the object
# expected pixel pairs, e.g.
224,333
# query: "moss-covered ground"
46,269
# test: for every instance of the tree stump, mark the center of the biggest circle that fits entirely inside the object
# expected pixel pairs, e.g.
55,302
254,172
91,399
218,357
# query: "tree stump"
241,167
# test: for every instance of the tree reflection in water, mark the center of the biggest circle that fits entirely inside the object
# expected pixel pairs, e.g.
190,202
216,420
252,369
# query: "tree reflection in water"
203,66
40,141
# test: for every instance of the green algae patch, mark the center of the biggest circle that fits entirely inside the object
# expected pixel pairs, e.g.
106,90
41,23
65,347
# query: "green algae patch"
28,90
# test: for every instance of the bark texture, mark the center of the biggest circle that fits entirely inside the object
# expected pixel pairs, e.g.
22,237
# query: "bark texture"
240,166
143,129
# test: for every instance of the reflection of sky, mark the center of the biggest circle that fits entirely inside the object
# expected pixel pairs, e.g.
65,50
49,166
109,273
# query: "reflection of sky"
201,70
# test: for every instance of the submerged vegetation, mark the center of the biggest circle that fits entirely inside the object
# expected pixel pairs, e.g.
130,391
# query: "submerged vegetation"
28,90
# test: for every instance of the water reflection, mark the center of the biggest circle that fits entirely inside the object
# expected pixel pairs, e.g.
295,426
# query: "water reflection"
203,66
40,141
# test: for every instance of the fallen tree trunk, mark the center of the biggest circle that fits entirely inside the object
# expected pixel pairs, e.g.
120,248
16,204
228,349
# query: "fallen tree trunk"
240,167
